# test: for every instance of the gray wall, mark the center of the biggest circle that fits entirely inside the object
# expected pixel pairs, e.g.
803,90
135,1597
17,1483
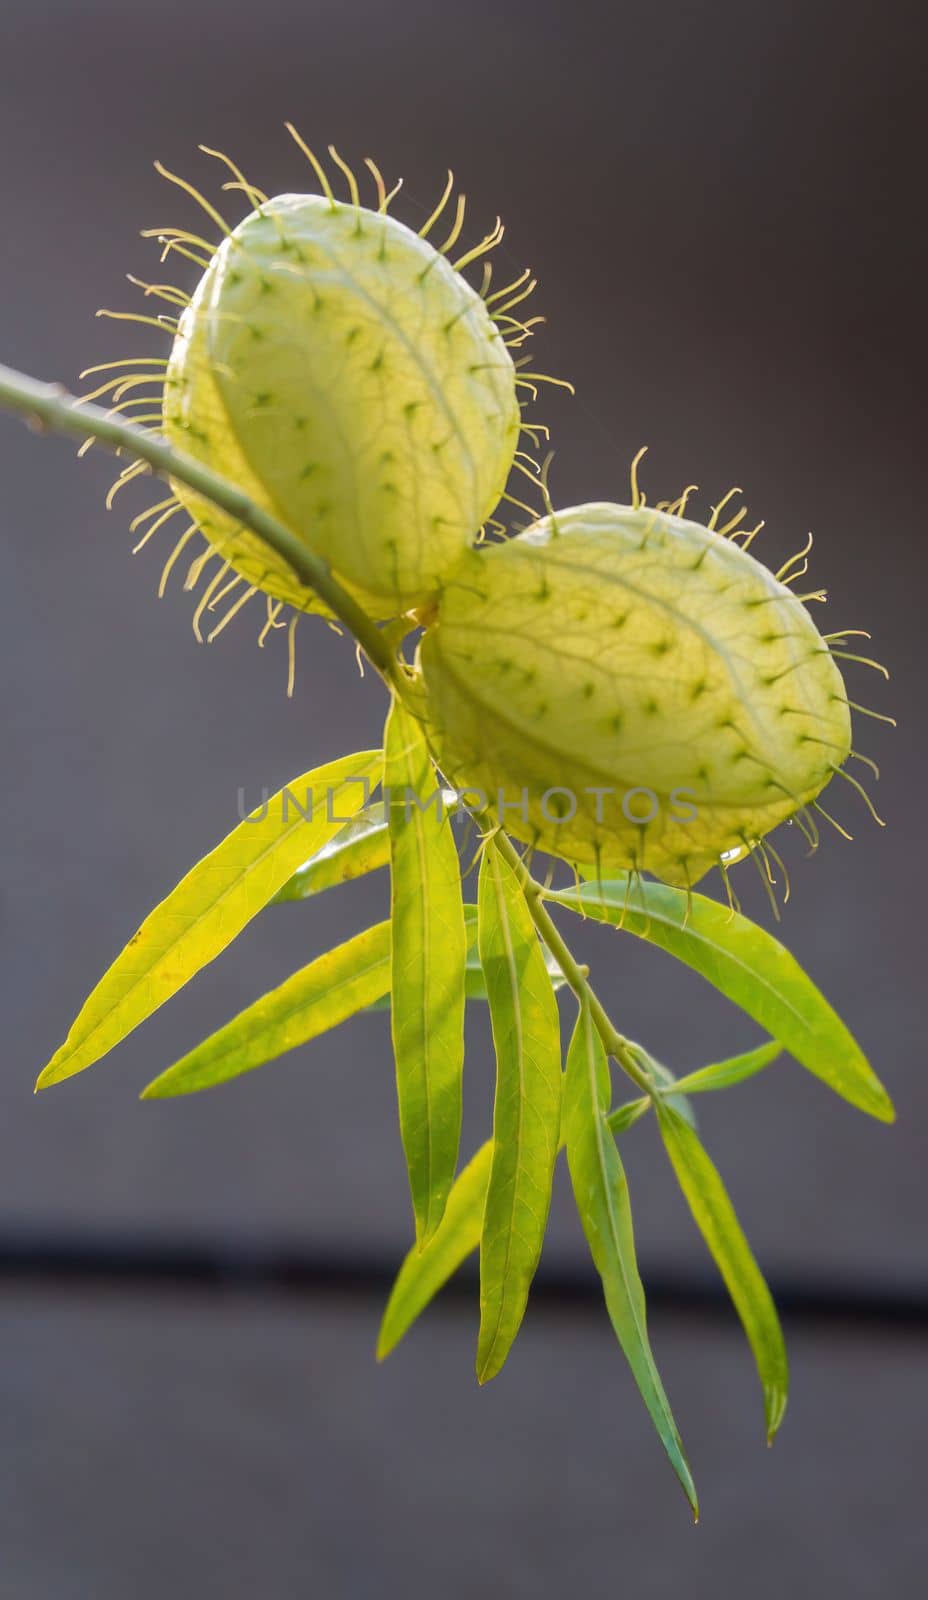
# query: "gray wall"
722,203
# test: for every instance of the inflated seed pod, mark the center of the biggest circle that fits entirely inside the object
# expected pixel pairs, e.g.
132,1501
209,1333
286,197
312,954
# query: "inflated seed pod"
632,690
337,366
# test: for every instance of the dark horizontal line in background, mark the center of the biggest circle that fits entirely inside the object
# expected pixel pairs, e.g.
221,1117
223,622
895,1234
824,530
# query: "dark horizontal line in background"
152,1264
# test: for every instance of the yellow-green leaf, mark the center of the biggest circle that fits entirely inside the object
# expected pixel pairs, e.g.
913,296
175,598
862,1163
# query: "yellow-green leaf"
212,904
429,955
747,965
425,1271
601,1192
326,992
361,846
527,1107
715,1217
475,984
724,1074
625,1116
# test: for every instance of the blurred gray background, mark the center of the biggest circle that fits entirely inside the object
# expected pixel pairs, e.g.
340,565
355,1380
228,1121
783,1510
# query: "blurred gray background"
724,205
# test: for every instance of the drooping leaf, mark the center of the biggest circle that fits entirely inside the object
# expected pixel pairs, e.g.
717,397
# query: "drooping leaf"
425,1271
751,968
361,846
212,904
526,1112
476,979
723,1074
715,1217
475,985
429,954
470,927
601,1192
326,992
625,1117
720,1075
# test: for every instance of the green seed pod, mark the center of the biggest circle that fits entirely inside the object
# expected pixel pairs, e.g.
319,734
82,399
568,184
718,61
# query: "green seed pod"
341,370
632,690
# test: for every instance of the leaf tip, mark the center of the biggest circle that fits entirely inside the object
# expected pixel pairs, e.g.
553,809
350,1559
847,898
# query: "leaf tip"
483,1369
159,1088
392,1327
689,1488
773,1428
875,1102
488,1366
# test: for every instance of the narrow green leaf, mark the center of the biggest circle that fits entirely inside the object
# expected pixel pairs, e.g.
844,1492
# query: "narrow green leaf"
475,984
723,1074
751,968
601,1192
429,953
212,904
526,1112
625,1117
326,992
426,1271
476,980
361,846
715,1217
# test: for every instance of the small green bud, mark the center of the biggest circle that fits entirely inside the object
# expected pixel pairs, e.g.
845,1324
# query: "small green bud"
633,690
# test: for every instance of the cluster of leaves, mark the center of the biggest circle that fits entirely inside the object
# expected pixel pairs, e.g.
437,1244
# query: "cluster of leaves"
433,955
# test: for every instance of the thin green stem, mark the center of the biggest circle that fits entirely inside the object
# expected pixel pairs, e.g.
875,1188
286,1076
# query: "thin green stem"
614,1043
50,406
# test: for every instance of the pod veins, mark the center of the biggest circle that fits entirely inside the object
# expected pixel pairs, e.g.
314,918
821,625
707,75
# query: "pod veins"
632,691
343,370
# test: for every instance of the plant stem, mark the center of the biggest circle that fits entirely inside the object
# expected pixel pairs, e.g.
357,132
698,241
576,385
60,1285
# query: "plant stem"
50,406
614,1043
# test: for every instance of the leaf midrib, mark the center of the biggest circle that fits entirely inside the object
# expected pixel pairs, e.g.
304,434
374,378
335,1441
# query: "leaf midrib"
506,931
600,1131
707,941
335,987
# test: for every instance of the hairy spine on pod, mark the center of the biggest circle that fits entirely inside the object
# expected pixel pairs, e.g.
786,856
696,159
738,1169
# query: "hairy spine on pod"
632,690
341,369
